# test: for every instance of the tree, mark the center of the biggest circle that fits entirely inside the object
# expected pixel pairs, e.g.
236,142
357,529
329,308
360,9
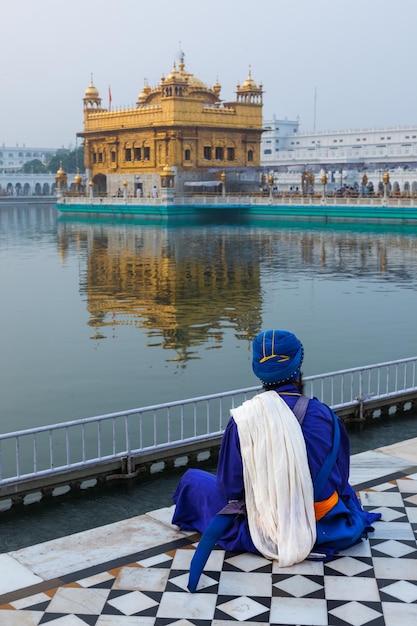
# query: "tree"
34,167
71,161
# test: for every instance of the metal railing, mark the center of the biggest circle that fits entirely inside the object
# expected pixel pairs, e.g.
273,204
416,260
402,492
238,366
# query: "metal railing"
58,449
372,384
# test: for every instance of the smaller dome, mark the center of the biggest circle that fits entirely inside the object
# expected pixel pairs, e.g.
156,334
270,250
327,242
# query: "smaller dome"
249,83
60,175
174,73
91,91
144,93
217,87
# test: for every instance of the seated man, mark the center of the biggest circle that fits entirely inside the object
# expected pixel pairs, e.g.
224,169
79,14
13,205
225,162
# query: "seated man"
283,471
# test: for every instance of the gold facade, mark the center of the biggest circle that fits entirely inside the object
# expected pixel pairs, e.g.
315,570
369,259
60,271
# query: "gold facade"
182,124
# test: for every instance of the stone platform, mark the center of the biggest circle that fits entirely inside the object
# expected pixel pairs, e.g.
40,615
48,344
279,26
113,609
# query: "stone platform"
135,572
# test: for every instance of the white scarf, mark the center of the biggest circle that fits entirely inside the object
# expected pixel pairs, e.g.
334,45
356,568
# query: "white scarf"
278,485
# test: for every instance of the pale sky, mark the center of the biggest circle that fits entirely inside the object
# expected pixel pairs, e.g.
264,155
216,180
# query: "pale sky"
335,64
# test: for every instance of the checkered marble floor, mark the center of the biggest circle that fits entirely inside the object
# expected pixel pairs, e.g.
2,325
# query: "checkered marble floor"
372,584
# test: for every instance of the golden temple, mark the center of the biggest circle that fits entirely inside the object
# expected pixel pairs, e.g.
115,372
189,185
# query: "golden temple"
179,133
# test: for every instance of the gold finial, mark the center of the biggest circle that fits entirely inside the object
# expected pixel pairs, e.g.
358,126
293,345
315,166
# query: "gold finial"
181,57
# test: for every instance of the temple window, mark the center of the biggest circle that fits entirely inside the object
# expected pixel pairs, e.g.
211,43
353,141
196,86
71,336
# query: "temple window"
138,154
250,156
230,154
100,157
128,154
113,156
219,154
94,157
187,155
207,153
146,153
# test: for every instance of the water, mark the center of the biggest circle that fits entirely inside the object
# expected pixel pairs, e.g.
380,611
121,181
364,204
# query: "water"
99,316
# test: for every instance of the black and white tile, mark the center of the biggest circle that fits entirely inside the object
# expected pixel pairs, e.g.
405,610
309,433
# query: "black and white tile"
372,584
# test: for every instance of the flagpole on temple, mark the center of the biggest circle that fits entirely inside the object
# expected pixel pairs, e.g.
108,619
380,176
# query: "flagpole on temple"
110,98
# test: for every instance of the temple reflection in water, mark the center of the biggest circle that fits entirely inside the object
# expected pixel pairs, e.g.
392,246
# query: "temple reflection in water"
185,284
179,286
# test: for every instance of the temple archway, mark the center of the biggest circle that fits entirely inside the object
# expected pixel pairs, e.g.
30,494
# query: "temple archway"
100,183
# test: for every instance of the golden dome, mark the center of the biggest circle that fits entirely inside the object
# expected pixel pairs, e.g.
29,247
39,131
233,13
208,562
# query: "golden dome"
60,175
195,82
144,93
249,82
174,74
181,76
91,91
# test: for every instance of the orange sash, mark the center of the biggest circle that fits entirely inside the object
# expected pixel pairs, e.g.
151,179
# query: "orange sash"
324,506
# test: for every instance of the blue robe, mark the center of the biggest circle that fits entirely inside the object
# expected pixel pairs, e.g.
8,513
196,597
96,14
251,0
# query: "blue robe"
199,495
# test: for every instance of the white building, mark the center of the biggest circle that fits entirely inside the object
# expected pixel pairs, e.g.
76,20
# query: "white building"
13,159
344,155
29,184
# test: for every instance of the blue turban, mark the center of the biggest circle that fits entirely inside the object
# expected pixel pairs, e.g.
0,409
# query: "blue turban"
277,356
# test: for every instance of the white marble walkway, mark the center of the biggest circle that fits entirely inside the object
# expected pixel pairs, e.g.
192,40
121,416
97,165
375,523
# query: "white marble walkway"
135,571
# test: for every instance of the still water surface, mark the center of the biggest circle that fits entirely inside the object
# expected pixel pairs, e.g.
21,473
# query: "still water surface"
99,316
